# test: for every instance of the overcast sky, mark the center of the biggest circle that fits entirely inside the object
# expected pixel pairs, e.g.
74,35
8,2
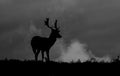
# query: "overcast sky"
93,22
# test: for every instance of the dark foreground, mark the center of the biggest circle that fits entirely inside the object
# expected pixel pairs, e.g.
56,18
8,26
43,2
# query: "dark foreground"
57,69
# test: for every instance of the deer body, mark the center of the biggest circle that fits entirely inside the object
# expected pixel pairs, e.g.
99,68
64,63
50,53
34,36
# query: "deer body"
43,44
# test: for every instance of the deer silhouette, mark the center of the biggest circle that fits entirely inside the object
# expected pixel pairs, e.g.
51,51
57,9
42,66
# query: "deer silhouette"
43,44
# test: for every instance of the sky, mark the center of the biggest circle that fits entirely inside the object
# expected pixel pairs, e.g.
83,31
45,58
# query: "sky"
91,22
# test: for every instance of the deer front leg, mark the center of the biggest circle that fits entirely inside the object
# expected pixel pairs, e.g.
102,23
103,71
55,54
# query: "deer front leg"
36,57
42,52
48,59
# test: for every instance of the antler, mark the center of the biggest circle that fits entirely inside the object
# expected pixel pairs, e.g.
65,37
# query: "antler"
47,23
56,27
55,24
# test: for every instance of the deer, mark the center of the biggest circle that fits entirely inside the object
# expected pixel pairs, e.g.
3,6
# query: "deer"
44,44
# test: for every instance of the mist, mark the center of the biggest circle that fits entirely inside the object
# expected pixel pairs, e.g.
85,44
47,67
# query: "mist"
78,52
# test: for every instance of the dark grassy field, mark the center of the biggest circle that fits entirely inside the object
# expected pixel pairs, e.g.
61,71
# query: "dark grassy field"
56,68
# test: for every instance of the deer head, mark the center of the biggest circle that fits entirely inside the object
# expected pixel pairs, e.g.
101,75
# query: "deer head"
55,30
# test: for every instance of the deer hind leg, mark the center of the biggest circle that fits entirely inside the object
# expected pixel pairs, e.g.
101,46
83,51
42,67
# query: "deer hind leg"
36,54
34,51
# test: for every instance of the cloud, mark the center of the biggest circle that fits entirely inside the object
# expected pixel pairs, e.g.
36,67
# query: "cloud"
17,10
17,41
5,1
33,29
98,26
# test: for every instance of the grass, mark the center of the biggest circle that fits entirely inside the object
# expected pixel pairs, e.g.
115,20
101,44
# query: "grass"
15,61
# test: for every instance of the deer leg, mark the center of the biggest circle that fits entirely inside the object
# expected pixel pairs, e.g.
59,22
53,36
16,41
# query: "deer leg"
36,57
48,59
34,51
37,53
42,55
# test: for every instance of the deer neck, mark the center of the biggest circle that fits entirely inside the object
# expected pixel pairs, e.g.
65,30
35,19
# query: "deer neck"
52,38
